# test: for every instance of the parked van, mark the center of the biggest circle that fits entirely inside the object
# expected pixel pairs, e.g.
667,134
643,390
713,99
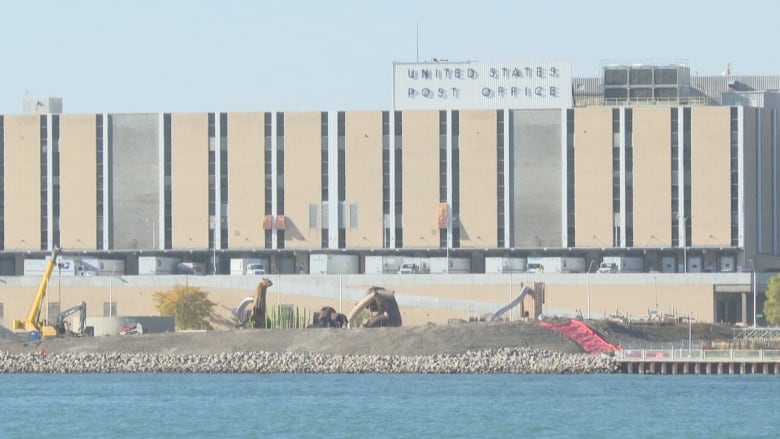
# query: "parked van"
409,268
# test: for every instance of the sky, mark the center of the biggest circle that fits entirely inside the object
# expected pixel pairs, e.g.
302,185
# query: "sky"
135,56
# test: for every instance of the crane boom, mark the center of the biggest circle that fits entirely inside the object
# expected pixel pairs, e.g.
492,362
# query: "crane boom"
33,322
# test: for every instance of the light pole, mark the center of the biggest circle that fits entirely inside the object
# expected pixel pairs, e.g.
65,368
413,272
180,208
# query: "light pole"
111,294
684,219
753,287
587,282
690,332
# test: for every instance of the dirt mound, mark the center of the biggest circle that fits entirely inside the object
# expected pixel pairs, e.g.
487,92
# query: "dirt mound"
653,334
414,340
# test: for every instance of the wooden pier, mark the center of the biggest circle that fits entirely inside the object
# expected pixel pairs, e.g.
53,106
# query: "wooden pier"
703,361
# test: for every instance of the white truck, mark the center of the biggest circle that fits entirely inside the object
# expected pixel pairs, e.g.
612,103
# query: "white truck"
333,264
382,264
450,265
555,264
197,268
64,267
622,264
247,266
101,267
414,266
505,265
158,265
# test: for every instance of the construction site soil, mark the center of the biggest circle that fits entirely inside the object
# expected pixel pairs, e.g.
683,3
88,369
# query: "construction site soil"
414,340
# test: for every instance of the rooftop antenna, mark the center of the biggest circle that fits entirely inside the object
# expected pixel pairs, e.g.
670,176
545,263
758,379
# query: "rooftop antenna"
417,40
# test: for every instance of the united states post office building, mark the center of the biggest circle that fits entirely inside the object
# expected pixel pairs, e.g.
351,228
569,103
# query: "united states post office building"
471,160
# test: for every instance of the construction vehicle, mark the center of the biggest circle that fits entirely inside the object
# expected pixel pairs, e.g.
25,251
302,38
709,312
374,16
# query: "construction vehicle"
61,325
382,310
33,321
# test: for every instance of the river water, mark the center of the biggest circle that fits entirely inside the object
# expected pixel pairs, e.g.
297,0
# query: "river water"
397,406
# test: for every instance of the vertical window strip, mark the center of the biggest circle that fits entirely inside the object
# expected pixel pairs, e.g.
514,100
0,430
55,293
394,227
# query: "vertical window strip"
616,177
629,123
341,177
734,174
280,175
55,183
398,183
267,173
500,178
324,187
687,173
99,152
43,181
570,155
212,176
223,180
385,175
675,189
455,169
773,144
2,182
443,170
167,209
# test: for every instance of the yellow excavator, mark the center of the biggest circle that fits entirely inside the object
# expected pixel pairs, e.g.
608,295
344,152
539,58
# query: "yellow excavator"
33,321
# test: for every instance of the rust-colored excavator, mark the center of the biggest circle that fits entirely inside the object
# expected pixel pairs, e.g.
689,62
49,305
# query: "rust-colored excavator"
382,309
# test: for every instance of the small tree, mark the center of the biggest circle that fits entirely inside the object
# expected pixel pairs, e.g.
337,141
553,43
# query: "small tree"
189,306
772,304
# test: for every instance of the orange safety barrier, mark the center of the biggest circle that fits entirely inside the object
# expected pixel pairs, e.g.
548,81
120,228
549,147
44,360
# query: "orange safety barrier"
583,335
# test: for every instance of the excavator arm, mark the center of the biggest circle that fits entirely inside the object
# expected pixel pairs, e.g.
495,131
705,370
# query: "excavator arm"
60,323
32,323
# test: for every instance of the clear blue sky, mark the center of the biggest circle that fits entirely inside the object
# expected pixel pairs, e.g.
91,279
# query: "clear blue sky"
288,55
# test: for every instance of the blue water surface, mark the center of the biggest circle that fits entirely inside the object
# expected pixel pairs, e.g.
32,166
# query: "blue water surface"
379,405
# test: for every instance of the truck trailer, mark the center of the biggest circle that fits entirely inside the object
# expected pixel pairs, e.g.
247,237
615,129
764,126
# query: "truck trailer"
555,264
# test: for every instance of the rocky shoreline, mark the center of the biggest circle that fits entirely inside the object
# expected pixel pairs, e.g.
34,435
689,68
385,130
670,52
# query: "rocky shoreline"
497,360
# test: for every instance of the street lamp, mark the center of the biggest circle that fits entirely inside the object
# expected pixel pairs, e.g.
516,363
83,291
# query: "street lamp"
587,282
684,240
753,287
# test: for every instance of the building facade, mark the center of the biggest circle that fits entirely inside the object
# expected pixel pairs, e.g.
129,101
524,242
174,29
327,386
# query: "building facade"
622,166
669,183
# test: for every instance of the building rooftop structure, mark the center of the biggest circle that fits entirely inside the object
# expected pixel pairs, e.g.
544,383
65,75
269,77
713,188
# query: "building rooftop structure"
628,83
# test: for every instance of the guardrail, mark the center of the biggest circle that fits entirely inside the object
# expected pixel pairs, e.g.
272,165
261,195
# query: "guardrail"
696,355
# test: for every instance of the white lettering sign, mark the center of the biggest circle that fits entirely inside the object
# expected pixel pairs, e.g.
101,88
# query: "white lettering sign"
482,85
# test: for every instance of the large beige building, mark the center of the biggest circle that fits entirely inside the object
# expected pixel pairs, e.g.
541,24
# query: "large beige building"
680,179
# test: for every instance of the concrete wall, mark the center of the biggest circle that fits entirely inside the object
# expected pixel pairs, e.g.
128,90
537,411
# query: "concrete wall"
537,172
134,180
422,298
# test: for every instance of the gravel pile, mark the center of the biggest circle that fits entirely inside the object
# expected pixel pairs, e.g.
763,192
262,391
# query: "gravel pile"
499,360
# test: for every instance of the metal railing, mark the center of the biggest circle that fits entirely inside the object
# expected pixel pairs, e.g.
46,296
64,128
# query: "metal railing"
635,101
699,355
